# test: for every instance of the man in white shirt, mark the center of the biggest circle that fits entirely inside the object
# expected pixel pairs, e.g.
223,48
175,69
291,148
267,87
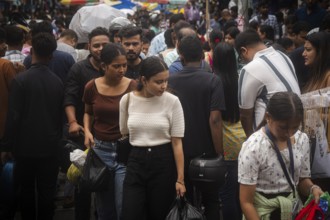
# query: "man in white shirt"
158,44
67,43
268,71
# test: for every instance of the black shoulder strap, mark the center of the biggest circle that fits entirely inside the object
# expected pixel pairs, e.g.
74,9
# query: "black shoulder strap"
280,158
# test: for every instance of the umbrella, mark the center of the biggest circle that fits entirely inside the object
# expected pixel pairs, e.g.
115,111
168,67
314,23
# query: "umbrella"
79,2
128,11
122,4
89,17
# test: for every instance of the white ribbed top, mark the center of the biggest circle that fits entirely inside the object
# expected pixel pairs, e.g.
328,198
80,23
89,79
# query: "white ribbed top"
151,121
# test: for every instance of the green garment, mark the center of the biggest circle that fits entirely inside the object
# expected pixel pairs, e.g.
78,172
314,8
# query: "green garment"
266,206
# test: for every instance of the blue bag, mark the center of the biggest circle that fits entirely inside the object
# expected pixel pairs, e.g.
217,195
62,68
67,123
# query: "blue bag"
7,182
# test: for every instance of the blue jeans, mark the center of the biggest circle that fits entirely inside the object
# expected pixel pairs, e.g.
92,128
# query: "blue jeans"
229,193
109,203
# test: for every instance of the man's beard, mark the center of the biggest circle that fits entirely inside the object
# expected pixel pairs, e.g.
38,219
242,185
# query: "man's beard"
96,58
132,56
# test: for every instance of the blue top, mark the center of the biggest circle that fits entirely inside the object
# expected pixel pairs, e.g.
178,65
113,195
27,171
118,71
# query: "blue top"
60,64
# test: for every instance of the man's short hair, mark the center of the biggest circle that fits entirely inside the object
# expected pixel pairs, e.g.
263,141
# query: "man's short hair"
69,34
190,47
98,31
183,32
43,44
262,3
180,25
268,31
15,35
300,26
325,24
44,26
247,38
176,18
130,31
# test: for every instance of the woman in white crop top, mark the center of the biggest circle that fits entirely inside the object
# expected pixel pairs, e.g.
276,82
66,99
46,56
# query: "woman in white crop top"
155,124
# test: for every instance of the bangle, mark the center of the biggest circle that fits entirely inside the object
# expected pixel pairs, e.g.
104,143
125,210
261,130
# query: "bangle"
73,121
181,183
312,188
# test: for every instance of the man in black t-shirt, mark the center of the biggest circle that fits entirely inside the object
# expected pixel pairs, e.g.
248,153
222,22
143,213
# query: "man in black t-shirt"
79,74
34,129
131,40
201,95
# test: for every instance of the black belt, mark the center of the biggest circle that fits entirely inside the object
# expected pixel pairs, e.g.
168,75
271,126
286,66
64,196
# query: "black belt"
274,195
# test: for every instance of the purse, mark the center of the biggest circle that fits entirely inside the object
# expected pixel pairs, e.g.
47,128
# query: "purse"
123,145
96,176
208,171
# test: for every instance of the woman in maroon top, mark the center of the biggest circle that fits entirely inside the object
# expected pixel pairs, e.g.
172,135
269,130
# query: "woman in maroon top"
101,123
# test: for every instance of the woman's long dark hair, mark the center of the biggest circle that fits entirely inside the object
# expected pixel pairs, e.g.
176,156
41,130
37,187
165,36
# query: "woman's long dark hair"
224,64
321,65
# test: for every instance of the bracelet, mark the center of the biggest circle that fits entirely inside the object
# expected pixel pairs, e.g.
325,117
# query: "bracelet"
181,183
73,121
312,188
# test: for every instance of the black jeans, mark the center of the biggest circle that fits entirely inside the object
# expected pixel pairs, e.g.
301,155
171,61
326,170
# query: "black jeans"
149,185
35,180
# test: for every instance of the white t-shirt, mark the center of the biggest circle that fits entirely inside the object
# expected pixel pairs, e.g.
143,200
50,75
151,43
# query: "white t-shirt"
269,72
151,121
258,163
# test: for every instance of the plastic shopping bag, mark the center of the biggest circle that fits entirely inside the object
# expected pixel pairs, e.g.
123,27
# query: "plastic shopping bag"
96,176
183,210
310,212
78,158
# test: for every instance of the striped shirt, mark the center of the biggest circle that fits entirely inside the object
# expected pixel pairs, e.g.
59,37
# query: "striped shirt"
269,72
14,56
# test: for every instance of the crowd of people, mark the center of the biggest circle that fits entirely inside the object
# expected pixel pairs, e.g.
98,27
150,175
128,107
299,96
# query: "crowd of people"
179,91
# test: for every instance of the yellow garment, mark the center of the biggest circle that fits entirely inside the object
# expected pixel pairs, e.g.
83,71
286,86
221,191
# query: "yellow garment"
74,172
233,138
266,206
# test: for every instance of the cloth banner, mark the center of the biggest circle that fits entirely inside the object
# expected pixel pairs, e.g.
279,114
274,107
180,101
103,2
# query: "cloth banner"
316,125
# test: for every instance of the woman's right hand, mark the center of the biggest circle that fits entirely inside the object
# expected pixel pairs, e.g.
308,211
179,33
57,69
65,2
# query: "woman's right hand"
180,189
89,140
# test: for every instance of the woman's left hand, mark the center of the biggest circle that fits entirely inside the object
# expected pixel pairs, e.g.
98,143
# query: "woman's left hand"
317,192
180,189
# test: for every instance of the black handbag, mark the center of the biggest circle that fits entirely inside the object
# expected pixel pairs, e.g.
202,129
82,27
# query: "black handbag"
208,171
96,176
123,145
123,149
